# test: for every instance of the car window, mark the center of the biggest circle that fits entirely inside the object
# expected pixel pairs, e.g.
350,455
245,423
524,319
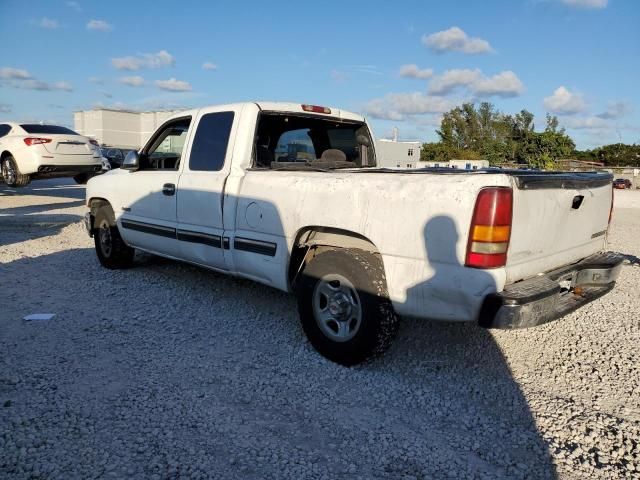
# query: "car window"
114,153
209,147
4,129
165,149
51,129
306,141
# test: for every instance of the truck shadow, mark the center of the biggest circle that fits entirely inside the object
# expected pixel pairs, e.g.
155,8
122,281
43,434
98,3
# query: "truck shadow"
55,187
463,377
28,222
443,388
21,228
40,208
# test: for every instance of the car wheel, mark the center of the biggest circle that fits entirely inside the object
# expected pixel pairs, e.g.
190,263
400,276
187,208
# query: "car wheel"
344,305
81,178
11,174
112,252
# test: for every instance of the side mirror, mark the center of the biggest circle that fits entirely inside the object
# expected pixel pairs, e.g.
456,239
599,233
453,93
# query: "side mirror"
131,161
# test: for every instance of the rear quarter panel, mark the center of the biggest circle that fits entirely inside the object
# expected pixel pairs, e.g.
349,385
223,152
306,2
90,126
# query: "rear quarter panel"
418,222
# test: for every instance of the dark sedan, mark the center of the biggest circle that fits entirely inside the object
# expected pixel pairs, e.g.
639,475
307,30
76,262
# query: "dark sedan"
622,183
115,156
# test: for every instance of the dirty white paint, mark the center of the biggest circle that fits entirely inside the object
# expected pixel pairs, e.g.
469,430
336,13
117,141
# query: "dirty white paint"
418,222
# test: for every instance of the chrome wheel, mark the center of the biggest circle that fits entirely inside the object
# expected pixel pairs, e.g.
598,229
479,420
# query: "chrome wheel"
337,308
8,172
104,235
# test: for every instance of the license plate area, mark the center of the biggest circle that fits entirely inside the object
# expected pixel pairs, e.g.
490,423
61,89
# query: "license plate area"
567,282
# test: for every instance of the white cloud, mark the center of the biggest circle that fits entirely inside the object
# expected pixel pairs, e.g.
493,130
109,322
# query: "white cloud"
456,40
370,69
135,81
14,73
339,76
615,110
503,84
452,79
19,78
33,84
397,106
565,102
5,108
209,66
75,5
586,3
99,26
96,80
412,71
65,86
47,23
173,85
146,60
585,123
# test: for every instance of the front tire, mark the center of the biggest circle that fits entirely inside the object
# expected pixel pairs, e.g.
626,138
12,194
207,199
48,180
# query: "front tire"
11,173
112,252
344,305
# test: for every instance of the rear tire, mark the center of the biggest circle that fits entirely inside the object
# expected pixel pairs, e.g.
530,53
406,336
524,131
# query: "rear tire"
344,305
112,252
11,173
81,178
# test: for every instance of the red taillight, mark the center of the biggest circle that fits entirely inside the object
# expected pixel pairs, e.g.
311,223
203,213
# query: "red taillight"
490,230
316,109
36,141
94,142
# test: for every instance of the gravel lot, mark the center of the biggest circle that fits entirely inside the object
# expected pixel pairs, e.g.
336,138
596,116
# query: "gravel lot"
170,371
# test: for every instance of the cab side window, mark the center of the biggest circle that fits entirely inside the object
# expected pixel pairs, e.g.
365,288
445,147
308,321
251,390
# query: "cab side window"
209,147
4,129
165,151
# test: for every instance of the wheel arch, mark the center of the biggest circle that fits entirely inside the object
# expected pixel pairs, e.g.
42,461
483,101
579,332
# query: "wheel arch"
311,240
94,203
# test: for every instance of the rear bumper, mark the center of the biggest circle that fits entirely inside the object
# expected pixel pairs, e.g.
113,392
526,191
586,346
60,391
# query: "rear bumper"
49,171
550,296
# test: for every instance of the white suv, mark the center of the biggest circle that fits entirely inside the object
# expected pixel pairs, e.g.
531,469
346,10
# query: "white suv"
31,151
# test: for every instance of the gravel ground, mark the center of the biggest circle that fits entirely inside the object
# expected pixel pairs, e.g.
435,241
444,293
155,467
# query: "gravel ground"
170,371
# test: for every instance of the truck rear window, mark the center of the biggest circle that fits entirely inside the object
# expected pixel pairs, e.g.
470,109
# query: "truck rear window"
305,141
33,128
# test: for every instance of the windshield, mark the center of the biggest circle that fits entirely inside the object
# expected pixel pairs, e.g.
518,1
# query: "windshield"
311,142
50,129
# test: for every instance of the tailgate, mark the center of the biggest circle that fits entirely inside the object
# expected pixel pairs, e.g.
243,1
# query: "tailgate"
558,219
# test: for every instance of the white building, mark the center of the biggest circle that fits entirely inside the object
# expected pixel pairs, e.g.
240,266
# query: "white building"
119,128
394,154
459,164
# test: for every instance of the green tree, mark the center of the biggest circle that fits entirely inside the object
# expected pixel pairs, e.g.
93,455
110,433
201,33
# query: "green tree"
470,132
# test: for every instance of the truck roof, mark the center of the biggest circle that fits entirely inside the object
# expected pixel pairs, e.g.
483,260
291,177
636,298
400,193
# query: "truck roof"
286,107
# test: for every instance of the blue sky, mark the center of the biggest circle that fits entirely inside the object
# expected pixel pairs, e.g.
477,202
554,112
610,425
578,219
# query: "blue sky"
400,63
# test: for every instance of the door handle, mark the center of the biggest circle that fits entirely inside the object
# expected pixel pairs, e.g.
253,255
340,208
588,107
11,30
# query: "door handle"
168,189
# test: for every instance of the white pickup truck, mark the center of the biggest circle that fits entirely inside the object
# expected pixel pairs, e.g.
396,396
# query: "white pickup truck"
289,195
